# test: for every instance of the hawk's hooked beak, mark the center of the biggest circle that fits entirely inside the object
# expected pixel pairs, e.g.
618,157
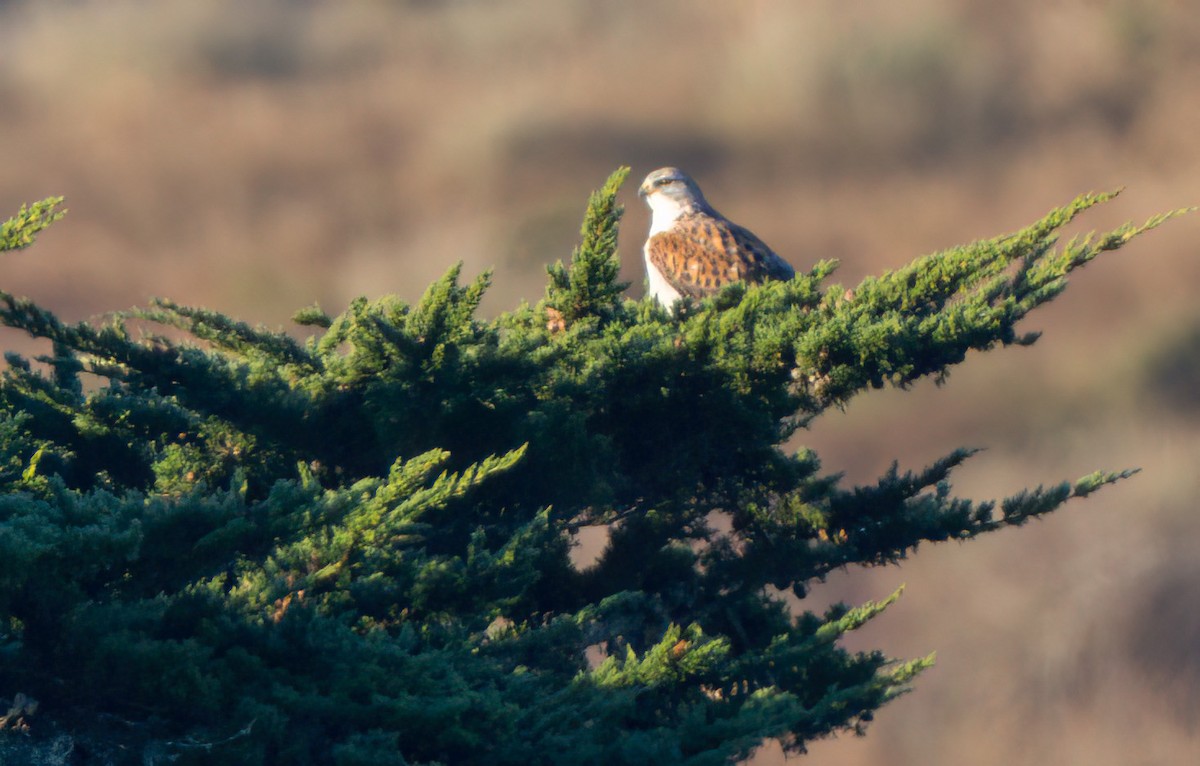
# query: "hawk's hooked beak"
643,191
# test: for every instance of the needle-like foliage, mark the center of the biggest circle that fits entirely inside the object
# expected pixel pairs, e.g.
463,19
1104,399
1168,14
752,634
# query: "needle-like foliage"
247,549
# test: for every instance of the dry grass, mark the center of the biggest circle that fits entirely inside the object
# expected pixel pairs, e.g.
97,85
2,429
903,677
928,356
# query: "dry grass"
257,157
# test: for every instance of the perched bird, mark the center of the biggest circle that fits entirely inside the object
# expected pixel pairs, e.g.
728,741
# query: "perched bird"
692,249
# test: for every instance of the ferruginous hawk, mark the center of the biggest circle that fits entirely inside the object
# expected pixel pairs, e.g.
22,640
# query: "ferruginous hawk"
692,249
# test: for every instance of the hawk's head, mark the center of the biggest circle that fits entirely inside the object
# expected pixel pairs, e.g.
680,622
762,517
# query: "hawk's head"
671,191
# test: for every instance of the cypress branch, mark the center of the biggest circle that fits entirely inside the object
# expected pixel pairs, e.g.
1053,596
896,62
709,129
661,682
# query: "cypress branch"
589,287
362,543
21,230
237,337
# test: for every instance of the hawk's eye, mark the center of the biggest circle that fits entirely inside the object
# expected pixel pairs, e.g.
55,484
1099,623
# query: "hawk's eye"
662,181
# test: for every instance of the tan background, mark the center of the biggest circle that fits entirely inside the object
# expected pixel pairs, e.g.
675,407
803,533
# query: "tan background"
257,157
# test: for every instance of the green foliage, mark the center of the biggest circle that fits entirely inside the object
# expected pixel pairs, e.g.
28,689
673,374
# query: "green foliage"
356,549
21,230
589,287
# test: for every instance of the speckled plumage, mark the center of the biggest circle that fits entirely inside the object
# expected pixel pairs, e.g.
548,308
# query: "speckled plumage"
692,249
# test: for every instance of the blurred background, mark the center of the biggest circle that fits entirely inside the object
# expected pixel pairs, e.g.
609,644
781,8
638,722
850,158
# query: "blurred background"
255,157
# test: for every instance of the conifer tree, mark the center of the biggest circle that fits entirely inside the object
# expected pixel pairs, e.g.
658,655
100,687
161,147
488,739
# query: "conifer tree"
247,549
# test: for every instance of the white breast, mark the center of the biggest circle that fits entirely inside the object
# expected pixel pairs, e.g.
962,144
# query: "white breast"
660,288
663,212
